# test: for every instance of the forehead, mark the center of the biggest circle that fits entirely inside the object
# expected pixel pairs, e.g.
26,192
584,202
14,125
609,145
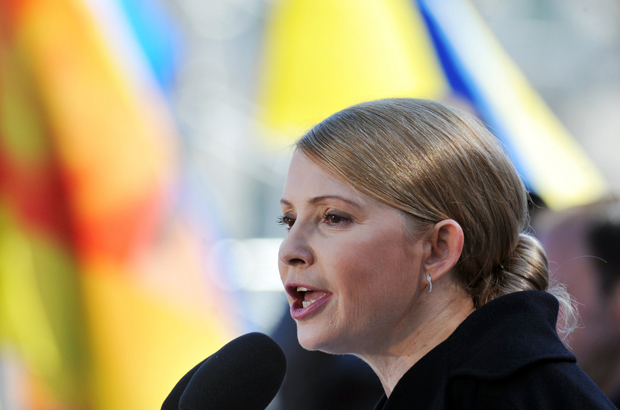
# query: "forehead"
307,179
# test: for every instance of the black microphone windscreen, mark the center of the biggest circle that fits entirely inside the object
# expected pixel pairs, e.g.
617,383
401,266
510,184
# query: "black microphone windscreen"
172,401
245,374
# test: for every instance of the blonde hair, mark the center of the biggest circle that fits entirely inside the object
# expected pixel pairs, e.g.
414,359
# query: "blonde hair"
434,163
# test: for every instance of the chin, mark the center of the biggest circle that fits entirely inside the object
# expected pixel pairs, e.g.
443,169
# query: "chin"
312,340
308,340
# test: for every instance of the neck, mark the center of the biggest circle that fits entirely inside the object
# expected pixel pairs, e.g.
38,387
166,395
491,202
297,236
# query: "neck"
441,317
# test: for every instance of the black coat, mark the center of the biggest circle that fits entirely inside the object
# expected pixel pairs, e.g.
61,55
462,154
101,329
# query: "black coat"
505,355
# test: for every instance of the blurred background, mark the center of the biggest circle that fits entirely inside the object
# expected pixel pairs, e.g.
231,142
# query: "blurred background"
144,145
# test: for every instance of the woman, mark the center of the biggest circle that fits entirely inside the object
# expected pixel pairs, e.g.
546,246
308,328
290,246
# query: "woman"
405,247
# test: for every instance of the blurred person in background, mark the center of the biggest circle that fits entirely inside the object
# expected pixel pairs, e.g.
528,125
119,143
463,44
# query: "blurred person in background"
583,248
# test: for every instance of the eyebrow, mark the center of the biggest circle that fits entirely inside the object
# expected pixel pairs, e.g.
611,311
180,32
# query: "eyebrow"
317,199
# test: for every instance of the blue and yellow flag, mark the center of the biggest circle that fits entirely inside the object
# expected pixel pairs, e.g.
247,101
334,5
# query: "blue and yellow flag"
322,56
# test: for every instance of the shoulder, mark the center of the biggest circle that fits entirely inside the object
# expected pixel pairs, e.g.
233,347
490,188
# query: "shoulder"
507,355
542,385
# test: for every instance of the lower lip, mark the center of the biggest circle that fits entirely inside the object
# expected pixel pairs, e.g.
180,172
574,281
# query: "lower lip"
299,313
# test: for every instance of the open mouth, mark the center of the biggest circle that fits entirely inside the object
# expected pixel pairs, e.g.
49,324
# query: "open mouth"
305,298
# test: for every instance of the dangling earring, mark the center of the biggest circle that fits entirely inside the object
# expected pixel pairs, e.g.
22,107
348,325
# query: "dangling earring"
430,282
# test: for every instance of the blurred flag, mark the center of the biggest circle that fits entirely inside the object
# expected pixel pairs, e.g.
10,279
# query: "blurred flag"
323,56
105,294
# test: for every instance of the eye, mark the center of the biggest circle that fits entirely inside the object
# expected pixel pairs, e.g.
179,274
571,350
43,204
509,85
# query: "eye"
286,221
335,219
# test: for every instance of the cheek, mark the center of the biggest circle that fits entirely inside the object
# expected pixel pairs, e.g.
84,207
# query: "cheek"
373,272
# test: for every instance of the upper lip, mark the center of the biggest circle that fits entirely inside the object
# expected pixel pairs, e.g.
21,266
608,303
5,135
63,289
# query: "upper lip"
291,289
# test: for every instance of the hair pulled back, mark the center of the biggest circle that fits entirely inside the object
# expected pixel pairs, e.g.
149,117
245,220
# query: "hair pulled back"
435,163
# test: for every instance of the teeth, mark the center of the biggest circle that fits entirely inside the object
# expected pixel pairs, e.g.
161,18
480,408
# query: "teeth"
302,289
307,303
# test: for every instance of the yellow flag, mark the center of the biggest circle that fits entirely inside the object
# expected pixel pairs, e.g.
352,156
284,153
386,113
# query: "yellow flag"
322,56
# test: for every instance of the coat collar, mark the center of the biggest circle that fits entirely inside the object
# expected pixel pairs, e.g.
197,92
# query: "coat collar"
495,341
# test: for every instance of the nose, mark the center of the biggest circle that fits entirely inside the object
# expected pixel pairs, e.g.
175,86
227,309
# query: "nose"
295,249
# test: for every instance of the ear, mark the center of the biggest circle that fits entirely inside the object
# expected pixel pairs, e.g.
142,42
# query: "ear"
444,247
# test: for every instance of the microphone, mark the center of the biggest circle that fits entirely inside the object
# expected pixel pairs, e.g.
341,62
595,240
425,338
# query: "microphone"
245,374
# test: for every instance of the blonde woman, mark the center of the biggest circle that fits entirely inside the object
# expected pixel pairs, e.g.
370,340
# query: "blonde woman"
406,247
